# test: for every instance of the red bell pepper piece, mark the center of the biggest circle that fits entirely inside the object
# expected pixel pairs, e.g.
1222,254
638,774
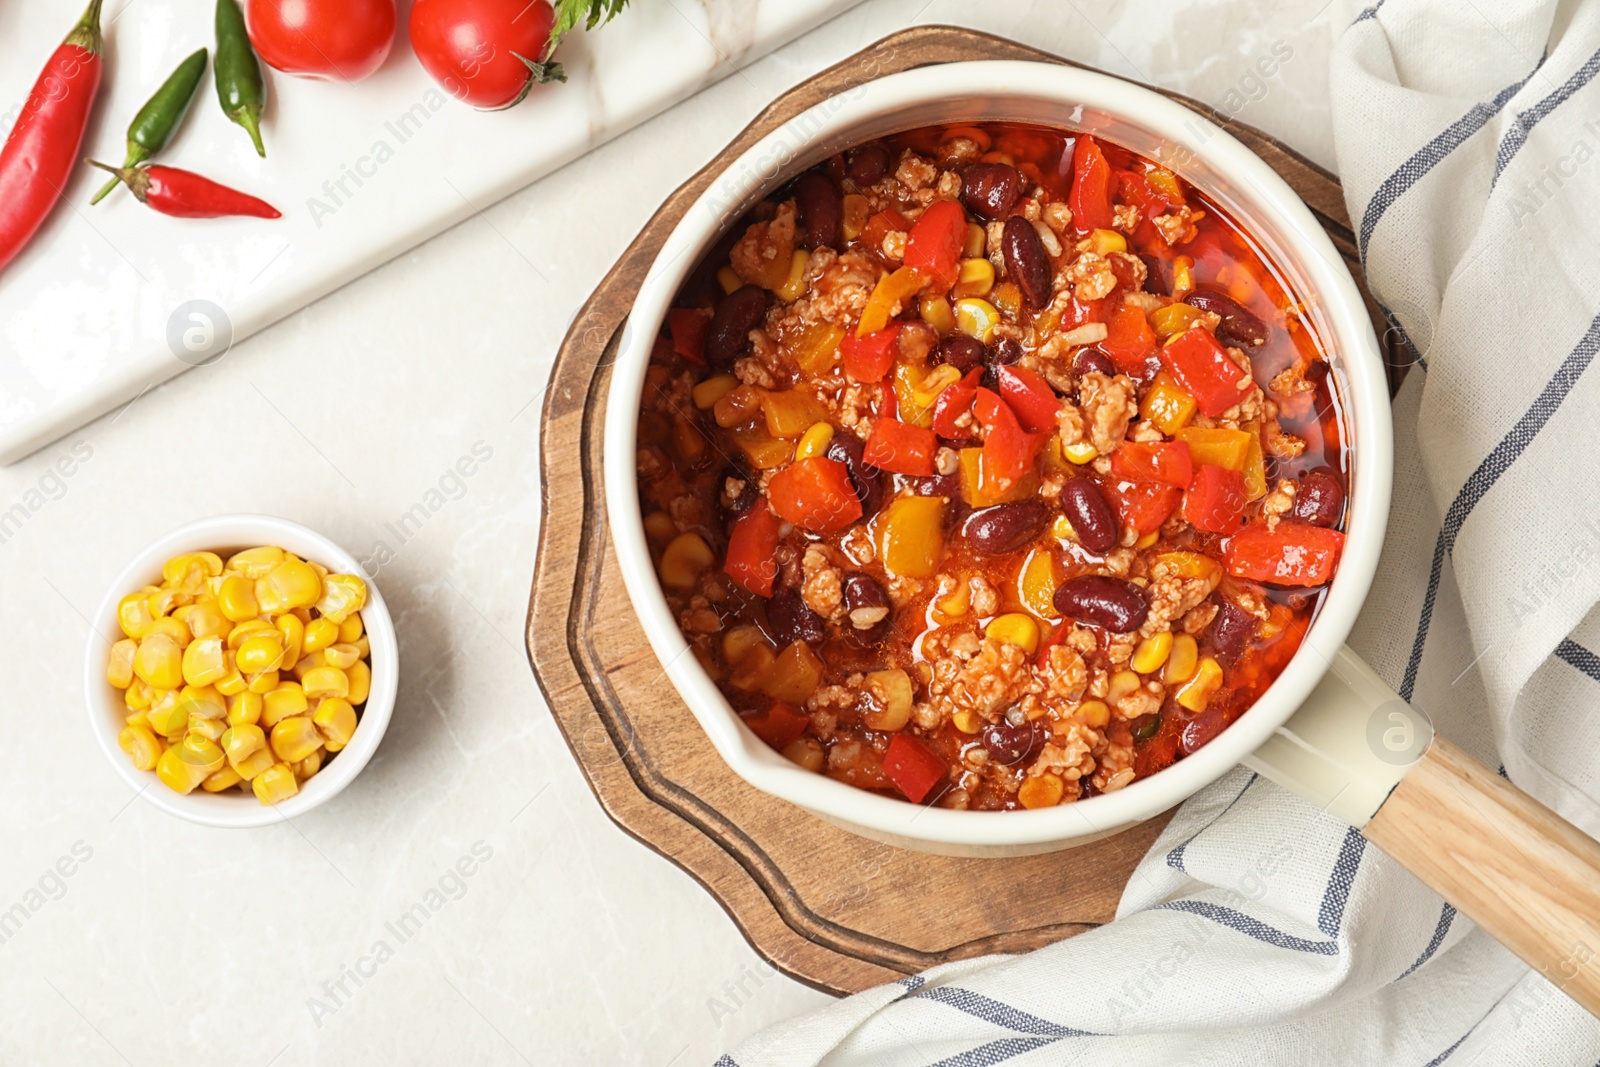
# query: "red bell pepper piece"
779,725
815,494
901,448
1167,462
1030,396
688,327
1137,190
955,401
1216,499
1142,506
1090,199
1129,339
934,245
661,350
912,767
1289,555
1205,371
867,359
752,549
1008,449
879,225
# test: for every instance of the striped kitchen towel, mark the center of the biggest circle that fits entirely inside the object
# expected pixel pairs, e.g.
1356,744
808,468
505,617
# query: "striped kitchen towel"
1258,930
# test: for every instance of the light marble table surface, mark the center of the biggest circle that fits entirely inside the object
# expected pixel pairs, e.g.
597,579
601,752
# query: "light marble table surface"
570,943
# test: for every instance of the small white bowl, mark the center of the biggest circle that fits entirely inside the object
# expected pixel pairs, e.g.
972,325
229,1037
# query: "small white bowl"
223,534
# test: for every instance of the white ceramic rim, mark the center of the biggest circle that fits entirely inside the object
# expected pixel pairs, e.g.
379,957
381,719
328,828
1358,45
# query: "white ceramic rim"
964,91
232,809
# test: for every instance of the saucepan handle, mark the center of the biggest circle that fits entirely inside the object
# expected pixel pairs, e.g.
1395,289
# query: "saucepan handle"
1521,872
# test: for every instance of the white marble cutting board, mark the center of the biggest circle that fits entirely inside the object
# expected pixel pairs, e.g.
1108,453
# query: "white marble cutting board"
112,300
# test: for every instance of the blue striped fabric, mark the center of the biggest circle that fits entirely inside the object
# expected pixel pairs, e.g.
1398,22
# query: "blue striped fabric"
1579,658
1250,926
995,1052
1525,121
1447,917
1175,857
1003,1015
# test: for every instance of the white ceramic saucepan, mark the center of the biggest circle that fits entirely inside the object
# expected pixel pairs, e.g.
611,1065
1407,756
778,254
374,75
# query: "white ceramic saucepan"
1328,727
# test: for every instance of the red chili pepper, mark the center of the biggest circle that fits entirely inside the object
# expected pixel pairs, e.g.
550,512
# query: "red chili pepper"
184,194
1090,199
899,448
43,147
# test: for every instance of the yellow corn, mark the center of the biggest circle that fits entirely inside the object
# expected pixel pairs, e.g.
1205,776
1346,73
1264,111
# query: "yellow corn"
248,629
1043,791
1095,713
1197,691
295,738
360,683
364,645
274,784
323,682
262,683
208,728
1181,661
177,774
1106,242
936,312
170,628
319,634
1182,277
977,240
1146,540
966,720
236,598
1191,565
307,664
1015,628
168,716
201,753
814,442
119,669
204,662
141,746
658,526
685,560
728,280
203,701
187,573
255,563
244,709
231,682
953,605
285,700
159,661
708,392
133,614
1061,529
261,652
164,602
294,635
1080,453
291,584
1152,653
976,318
976,278
342,595
795,283
1008,298
242,740
341,655
139,696
217,781
351,629
206,620
335,721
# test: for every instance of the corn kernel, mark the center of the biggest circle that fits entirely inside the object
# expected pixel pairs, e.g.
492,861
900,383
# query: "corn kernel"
1181,662
255,762
351,629
133,614
936,312
159,661
208,728
323,682
307,664
1152,653
307,767
1123,684
1106,242
1146,540
295,738
685,560
119,669
206,620
360,683
294,635
976,318
255,563
232,682
226,778
262,652
976,278
938,380
1182,277
966,720
1197,691
141,746
795,283
203,661
139,696
977,240
1095,713
168,716
1008,298
708,392
248,629
236,598
170,628
814,442
658,526
364,646
856,210
176,774
1080,453
262,683
291,584
203,701
320,633
201,753
342,656
274,784
244,709
1015,628
728,280
240,741
1042,791
1061,529
163,602
342,595
335,720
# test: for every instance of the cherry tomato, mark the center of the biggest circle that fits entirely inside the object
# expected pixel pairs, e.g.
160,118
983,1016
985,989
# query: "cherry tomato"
487,53
342,40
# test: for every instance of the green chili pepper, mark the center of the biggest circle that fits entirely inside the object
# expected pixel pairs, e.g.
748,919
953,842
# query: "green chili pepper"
158,120
1146,728
240,86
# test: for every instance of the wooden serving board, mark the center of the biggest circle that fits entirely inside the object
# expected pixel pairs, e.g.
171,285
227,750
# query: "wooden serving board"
829,908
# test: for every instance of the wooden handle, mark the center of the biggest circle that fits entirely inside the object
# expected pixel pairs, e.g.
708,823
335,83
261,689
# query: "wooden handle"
1517,869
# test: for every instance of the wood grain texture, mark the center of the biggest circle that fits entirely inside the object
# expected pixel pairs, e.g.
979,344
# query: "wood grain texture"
830,909
1525,875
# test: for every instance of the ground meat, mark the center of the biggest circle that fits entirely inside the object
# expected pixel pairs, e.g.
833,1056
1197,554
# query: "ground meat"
1125,217
823,588
1064,675
914,172
1196,621
699,617
1068,753
1277,503
1090,276
1109,404
984,600
1057,216
1283,445
752,371
764,245
1171,597
976,675
1178,227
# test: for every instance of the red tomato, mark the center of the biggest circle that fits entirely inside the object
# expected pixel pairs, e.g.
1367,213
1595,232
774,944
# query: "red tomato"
487,53
342,40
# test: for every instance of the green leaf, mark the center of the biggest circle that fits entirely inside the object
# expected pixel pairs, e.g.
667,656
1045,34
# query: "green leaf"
592,13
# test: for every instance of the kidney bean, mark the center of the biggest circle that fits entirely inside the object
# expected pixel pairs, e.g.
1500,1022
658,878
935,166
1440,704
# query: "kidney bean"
1090,359
1026,261
728,336
945,485
991,190
867,166
847,448
962,352
1319,500
1201,729
1231,630
1239,328
1157,279
1012,745
1006,352
1004,528
862,593
791,620
1113,604
821,210
1092,518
